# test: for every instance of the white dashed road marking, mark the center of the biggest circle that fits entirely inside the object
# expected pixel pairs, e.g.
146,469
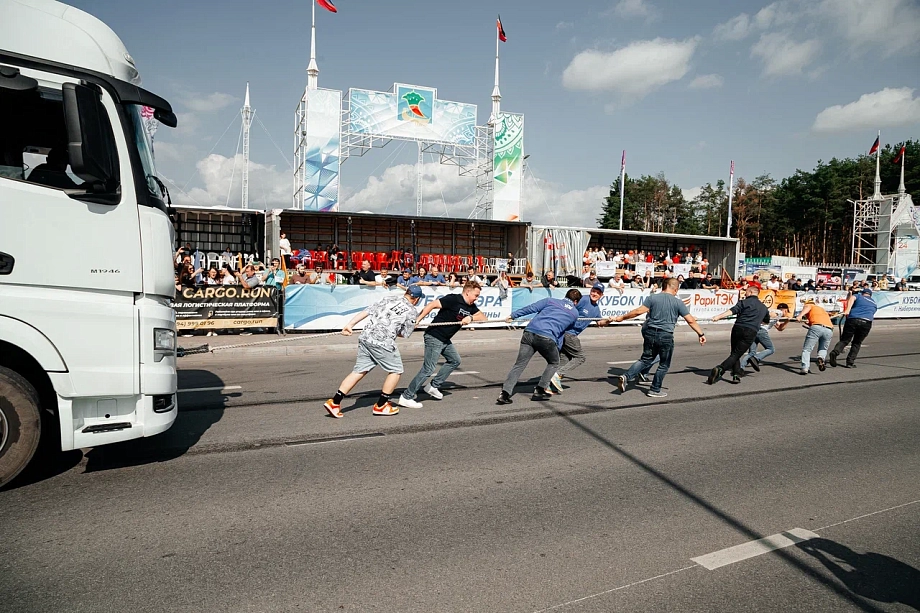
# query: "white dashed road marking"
752,549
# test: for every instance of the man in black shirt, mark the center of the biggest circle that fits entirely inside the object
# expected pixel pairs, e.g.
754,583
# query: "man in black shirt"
365,276
749,313
453,308
549,280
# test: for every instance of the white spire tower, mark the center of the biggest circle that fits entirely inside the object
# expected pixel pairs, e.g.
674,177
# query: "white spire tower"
877,195
247,113
312,68
901,189
496,92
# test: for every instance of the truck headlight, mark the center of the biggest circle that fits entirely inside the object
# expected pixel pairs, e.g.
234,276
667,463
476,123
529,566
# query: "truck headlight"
164,339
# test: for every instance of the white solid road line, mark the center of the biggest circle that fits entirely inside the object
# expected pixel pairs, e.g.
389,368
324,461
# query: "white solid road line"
622,362
752,549
209,389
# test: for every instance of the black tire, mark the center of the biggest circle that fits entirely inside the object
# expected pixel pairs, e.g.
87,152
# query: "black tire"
20,424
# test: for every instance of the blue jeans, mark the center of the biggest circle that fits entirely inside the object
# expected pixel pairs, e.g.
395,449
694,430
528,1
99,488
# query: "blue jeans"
763,337
817,335
434,349
656,344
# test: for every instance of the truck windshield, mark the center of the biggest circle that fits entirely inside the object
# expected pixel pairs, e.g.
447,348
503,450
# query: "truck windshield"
143,125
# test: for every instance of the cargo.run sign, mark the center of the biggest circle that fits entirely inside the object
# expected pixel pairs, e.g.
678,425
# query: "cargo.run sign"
222,307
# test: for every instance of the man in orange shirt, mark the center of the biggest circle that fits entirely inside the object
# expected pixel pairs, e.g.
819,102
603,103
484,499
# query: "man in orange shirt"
820,333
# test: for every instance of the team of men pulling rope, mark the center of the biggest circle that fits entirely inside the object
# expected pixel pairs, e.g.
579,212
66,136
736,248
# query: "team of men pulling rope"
553,333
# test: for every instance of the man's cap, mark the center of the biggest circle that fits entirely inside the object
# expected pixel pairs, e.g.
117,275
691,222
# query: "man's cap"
599,287
415,291
866,290
408,270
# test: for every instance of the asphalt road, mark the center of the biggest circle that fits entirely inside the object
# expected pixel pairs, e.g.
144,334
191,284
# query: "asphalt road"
594,501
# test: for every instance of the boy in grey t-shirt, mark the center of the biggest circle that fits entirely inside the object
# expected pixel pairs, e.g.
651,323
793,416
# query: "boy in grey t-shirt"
658,334
392,317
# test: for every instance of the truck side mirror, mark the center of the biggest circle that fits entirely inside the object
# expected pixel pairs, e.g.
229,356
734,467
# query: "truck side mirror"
90,140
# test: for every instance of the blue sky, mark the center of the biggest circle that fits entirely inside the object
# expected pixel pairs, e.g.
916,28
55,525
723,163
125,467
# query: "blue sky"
683,87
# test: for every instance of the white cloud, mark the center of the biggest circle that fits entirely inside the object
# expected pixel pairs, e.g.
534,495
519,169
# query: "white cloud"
736,28
268,187
206,103
564,25
889,107
444,191
783,56
448,194
641,9
691,193
706,81
743,25
633,71
892,25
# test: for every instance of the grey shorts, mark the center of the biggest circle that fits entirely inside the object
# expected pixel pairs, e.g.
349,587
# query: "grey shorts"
370,356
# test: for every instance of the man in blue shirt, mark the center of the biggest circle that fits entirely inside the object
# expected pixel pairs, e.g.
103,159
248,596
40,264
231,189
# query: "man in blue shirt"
405,280
543,335
571,356
860,312
434,277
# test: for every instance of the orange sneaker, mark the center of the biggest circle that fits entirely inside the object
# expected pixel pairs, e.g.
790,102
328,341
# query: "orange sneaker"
333,409
386,409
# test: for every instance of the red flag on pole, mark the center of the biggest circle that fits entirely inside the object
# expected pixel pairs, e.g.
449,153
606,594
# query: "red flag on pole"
327,4
874,146
623,160
900,155
501,30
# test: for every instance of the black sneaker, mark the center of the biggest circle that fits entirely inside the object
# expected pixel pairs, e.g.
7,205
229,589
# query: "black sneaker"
541,394
832,358
504,398
821,365
755,363
714,375
736,379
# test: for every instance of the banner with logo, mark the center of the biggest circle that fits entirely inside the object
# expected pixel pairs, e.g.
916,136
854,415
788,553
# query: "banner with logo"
897,305
330,307
211,307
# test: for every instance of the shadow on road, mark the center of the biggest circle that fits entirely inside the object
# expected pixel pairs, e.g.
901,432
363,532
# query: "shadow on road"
854,597
870,575
190,425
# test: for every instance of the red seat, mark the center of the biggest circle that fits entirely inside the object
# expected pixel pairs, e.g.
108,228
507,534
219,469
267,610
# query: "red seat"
456,263
408,260
320,257
480,263
356,258
381,262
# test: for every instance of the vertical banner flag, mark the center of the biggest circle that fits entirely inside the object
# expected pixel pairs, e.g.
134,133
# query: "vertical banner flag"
501,31
507,167
327,4
324,149
900,155
874,145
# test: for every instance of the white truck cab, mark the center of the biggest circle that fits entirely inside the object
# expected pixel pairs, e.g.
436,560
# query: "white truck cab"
87,331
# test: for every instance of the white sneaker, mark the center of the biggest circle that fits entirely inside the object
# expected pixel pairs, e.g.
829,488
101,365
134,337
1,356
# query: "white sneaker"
433,392
409,403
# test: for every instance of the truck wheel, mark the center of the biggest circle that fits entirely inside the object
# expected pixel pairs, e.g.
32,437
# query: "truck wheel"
20,424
